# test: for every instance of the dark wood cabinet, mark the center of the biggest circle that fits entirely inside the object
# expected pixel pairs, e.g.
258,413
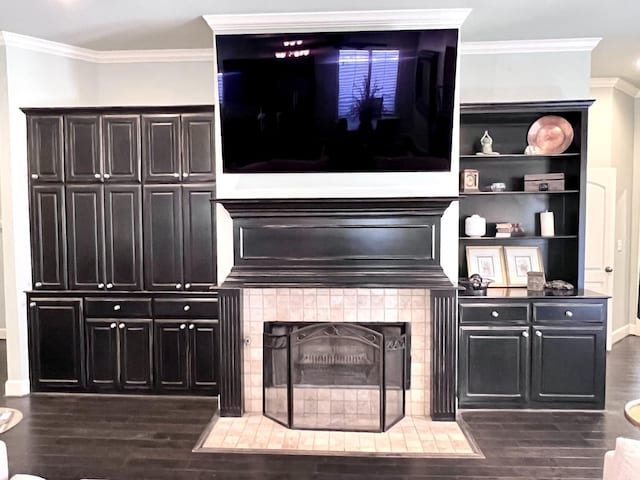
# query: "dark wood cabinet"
121,144
119,354
494,365
48,237
568,364
82,148
204,341
45,148
198,147
85,236
56,344
199,241
161,148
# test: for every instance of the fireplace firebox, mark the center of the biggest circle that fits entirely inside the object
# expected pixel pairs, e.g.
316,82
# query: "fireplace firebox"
335,376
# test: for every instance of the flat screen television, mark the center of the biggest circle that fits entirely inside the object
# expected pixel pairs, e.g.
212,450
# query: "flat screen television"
337,102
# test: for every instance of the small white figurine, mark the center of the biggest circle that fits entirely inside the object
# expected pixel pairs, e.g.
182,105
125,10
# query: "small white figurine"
486,143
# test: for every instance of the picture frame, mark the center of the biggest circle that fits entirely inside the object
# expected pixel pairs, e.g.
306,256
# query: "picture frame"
488,262
469,180
519,261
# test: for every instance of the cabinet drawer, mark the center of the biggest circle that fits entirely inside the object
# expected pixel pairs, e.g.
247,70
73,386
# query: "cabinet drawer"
494,313
565,312
185,308
118,307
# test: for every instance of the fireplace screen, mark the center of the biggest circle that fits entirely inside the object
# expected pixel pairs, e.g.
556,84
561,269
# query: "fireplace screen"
328,376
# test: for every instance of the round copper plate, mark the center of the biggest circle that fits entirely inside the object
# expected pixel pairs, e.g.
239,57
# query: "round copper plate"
550,135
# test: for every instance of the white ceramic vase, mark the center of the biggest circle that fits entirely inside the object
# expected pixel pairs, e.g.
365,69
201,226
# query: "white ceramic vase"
475,226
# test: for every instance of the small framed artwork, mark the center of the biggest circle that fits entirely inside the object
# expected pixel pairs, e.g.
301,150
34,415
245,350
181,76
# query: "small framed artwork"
469,180
520,261
487,261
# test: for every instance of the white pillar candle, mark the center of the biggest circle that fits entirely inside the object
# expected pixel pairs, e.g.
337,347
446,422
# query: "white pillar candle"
546,224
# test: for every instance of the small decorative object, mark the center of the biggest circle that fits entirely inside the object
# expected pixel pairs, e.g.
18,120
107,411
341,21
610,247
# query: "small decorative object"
559,285
503,230
486,142
469,180
531,150
535,281
550,135
488,262
547,224
544,182
475,285
498,187
517,230
475,226
520,261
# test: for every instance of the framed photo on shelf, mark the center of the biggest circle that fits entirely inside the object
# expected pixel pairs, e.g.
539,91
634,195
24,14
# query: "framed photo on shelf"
520,261
487,261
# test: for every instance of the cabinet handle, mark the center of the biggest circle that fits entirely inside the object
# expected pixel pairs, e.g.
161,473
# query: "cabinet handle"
113,325
38,284
116,307
183,326
178,286
185,175
96,175
525,334
538,333
186,308
32,304
34,176
107,176
495,314
101,285
121,326
192,326
568,313
109,285
177,175
187,286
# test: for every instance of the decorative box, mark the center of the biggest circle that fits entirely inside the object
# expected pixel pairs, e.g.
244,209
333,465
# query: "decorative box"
544,182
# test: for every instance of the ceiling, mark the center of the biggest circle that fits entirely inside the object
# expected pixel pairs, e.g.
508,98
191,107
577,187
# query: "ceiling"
161,24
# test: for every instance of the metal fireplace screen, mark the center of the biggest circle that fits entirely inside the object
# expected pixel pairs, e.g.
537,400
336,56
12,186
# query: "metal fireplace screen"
328,376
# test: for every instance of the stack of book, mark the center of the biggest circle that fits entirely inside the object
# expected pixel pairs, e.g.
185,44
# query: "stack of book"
503,230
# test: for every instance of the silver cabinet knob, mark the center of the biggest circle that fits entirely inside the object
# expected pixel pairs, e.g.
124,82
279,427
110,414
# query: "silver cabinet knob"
192,326
38,284
107,176
568,313
495,314
608,269
187,285
538,333
32,304
121,326
178,286
525,334
96,175
109,285
186,308
113,325
177,175
101,285
35,176
185,175
183,326
116,307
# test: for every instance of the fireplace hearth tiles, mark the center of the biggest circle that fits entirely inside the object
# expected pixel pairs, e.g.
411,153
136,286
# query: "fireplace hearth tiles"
416,437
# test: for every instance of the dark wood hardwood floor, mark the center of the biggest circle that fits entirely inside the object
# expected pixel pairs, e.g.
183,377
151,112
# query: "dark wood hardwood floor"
73,437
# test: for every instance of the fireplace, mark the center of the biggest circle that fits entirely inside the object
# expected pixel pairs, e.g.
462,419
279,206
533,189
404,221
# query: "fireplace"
335,376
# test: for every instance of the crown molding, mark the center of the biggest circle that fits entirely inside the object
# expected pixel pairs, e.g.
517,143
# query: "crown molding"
617,84
530,46
104,57
297,22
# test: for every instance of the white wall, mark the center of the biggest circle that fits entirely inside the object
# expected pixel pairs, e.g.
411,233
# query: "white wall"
4,154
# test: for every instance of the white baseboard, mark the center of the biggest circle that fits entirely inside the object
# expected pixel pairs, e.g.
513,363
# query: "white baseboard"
622,332
3,333
634,330
17,388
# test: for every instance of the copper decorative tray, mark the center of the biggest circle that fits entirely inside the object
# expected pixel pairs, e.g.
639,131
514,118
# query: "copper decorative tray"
550,135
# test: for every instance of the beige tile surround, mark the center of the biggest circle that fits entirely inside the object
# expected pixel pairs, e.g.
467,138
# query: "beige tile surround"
339,305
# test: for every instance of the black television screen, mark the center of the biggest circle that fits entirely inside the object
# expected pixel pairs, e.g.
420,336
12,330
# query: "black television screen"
337,102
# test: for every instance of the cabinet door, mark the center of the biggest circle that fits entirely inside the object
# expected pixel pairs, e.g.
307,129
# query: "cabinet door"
197,148
123,237
568,364
45,148
199,237
102,353
49,238
163,237
493,366
171,349
203,345
56,344
136,361
82,148
161,148
85,236
121,134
